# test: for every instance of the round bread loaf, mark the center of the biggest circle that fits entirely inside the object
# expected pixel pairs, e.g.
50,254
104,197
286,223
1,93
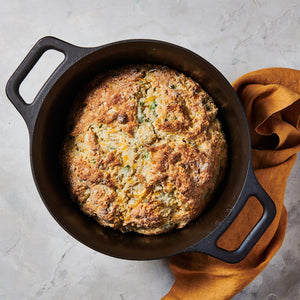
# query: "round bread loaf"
144,150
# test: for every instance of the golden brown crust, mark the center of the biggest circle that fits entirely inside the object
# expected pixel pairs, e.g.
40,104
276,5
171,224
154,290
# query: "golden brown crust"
145,151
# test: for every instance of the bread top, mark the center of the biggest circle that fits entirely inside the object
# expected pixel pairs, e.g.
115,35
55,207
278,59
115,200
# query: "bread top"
144,150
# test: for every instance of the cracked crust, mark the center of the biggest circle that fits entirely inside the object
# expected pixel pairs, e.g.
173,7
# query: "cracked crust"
144,151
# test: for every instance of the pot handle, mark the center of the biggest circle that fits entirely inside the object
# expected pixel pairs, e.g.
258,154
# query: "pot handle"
209,244
29,111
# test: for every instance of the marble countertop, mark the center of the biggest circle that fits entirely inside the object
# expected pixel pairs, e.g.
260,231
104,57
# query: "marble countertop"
38,259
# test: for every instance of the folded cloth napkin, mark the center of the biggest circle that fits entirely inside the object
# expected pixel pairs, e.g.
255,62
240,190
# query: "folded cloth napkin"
271,99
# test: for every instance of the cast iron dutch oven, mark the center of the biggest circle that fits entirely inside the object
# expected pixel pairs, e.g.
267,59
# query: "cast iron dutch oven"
45,118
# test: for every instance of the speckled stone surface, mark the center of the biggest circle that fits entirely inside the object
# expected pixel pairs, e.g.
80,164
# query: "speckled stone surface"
38,259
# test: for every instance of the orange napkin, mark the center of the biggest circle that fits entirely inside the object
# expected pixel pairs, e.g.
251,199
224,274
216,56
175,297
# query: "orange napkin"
271,99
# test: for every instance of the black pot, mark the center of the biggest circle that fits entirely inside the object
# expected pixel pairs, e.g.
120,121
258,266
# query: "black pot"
45,118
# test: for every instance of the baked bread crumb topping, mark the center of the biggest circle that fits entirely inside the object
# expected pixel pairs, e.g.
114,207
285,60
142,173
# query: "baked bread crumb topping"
144,150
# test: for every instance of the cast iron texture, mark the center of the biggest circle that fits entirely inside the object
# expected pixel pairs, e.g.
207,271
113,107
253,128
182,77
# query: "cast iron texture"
45,118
